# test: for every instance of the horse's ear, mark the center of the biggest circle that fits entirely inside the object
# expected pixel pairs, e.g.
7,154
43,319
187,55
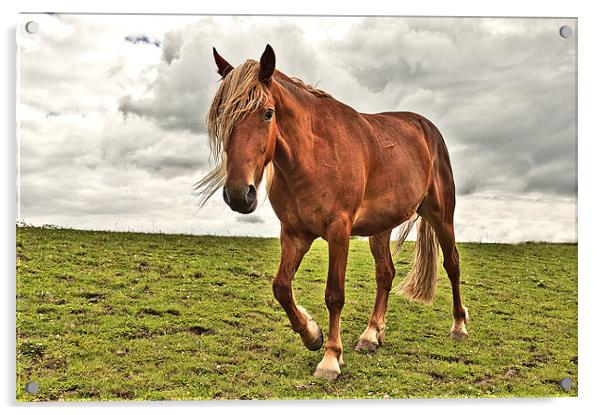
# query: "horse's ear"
223,67
267,64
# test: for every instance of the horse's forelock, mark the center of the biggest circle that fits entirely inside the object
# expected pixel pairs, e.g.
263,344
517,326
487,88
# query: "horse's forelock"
239,93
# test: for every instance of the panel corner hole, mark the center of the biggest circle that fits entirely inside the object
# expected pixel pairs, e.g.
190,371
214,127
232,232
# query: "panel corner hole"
32,387
566,384
32,27
566,31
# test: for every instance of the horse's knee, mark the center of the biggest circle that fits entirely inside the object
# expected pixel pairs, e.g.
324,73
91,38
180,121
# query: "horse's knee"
335,300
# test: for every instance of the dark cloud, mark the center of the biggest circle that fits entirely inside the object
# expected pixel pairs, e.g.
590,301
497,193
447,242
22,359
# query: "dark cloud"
250,219
144,39
467,187
139,144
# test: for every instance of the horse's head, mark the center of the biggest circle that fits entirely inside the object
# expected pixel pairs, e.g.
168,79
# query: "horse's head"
242,128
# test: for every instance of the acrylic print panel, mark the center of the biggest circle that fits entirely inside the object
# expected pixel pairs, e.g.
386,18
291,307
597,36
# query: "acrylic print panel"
168,193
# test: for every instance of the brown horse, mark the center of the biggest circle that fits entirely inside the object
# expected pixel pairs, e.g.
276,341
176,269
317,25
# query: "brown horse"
332,172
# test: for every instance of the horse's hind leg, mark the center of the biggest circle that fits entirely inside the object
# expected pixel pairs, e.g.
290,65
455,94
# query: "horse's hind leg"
441,219
293,247
374,334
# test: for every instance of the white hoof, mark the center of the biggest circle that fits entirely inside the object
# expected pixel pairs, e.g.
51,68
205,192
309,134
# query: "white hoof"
459,335
370,340
312,336
328,368
458,329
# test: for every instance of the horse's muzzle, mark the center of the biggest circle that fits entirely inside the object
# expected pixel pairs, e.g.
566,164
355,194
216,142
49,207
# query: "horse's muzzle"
242,200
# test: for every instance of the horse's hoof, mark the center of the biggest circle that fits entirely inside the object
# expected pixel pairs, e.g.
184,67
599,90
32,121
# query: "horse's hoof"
458,335
364,345
317,344
328,374
458,328
328,368
312,336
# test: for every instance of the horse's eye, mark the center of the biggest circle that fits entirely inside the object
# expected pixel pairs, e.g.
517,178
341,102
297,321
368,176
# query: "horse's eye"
268,115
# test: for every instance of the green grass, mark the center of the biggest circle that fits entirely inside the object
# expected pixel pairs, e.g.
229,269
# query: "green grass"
110,316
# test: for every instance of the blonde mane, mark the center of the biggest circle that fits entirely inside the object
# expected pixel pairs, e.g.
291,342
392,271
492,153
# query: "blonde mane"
239,93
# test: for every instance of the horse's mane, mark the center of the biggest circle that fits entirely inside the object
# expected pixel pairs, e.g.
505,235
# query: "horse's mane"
239,93
306,87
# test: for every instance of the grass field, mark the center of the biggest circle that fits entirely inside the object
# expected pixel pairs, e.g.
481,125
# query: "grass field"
112,316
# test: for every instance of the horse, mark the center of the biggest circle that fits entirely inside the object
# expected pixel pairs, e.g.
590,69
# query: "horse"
333,172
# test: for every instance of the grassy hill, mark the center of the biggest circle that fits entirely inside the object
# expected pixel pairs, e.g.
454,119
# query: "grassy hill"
111,316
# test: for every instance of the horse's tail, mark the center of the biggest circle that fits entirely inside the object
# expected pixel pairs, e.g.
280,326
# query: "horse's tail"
421,282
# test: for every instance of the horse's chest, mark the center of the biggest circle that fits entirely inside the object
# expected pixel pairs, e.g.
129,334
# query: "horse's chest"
312,203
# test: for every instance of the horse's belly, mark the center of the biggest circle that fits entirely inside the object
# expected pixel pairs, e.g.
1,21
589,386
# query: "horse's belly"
374,217
391,197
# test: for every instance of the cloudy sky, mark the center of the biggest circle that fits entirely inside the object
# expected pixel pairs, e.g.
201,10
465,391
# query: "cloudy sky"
111,113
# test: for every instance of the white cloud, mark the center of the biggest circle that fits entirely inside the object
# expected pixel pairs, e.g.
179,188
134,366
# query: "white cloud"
495,217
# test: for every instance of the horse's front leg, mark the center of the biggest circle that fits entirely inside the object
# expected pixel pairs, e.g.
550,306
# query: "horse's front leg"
338,247
293,247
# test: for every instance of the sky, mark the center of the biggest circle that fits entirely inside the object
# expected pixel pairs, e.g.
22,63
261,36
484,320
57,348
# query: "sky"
111,111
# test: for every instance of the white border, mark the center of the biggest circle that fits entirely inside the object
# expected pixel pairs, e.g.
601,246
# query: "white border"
590,277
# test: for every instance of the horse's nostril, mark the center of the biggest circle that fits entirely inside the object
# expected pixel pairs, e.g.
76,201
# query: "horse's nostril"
251,194
226,198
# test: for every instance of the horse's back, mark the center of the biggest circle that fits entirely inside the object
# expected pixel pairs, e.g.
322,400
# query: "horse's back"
399,124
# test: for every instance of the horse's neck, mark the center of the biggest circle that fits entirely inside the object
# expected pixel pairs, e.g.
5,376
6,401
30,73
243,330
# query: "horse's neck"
294,126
